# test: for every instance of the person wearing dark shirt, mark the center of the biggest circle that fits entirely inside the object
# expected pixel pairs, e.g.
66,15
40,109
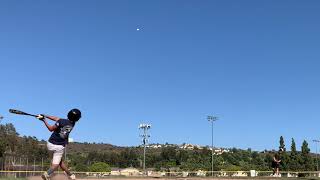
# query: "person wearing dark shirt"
59,139
276,164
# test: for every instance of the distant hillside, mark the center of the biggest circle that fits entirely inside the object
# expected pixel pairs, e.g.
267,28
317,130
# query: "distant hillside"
78,147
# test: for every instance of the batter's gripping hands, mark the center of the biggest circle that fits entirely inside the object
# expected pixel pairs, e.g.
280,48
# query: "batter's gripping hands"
40,117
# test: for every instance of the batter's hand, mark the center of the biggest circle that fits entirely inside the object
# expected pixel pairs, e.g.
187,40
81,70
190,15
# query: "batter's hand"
40,117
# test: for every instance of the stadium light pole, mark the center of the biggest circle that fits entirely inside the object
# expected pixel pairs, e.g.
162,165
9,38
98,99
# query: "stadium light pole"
212,119
316,141
145,139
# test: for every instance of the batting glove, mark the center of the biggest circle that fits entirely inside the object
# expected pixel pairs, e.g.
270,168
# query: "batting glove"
40,117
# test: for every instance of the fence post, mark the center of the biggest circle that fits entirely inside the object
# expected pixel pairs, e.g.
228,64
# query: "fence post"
34,166
27,167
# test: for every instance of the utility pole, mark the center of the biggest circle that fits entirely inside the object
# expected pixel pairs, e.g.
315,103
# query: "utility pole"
145,139
317,141
212,119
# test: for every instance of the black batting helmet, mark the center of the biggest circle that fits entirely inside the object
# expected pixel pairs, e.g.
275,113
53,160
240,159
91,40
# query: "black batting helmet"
74,115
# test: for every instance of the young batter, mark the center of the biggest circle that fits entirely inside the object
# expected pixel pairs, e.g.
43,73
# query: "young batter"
59,139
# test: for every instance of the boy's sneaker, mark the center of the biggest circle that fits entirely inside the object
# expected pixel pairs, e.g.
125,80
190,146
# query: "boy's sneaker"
45,176
73,177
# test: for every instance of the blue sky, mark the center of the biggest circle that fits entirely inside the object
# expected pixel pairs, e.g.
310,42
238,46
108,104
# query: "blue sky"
254,64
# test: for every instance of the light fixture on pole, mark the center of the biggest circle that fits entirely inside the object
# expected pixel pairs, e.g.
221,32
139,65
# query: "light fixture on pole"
317,141
145,139
212,119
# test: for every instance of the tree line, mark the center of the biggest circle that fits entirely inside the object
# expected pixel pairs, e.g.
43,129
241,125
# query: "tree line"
173,158
92,156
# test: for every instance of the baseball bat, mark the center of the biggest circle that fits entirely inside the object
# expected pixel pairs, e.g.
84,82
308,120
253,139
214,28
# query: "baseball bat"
14,111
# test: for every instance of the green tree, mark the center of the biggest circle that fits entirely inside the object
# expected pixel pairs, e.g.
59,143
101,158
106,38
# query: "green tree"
257,161
2,147
170,164
129,158
100,167
283,155
282,146
182,156
306,159
168,153
293,148
78,162
294,157
82,168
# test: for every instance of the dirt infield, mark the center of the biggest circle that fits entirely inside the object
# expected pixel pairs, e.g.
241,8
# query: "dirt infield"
56,177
